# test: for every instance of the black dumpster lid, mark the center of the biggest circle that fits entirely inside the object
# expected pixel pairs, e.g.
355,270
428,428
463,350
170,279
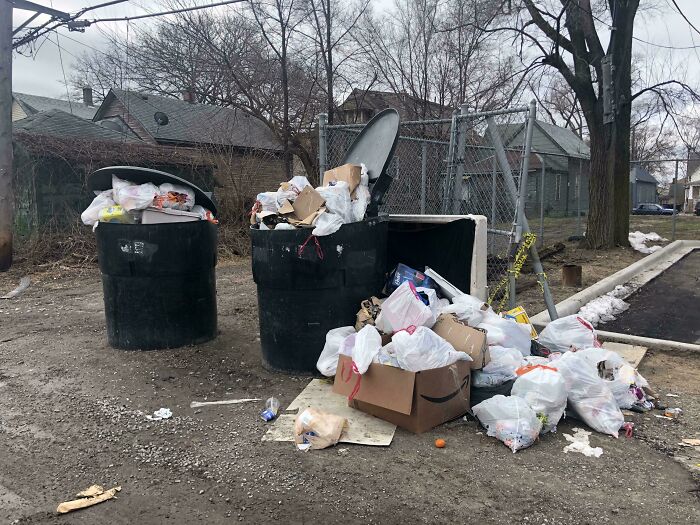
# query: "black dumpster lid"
375,145
101,180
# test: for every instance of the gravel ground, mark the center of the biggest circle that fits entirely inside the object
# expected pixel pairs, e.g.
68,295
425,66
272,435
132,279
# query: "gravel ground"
72,413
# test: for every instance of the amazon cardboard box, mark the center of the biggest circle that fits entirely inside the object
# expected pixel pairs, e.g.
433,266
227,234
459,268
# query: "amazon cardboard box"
464,338
416,401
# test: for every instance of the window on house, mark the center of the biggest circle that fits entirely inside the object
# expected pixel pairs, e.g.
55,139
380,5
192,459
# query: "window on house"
557,188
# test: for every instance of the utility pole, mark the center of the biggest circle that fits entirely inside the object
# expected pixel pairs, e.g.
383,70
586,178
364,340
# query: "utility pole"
7,200
7,204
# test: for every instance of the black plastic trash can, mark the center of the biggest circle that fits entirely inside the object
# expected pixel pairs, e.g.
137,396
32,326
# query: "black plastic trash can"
305,290
159,280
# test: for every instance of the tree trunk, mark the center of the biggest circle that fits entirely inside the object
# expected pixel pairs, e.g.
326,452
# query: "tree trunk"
599,233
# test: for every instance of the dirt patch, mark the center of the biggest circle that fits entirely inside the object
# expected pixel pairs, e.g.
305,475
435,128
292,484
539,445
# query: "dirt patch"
73,414
666,307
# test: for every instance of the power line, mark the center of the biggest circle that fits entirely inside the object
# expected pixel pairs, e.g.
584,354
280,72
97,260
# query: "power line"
685,17
162,13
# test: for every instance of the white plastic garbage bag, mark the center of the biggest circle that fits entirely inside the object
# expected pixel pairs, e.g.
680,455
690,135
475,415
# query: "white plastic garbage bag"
326,223
102,200
506,332
620,376
337,199
267,200
566,333
290,190
434,303
504,362
588,394
403,308
136,197
360,202
367,345
509,419
467,308
175,196
423,349
387,356
328,360
544,389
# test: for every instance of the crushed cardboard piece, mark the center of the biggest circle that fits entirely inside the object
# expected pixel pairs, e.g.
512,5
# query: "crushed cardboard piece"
286,208
92,490
197,404
464,338
362,429
307,203
691,442
81,503
633,354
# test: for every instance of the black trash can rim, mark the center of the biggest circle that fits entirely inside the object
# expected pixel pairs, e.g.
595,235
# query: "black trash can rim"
101,180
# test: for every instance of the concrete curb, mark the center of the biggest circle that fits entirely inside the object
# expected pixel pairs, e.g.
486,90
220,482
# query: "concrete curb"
649,342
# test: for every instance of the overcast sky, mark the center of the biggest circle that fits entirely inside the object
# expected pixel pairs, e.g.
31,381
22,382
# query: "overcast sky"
41,73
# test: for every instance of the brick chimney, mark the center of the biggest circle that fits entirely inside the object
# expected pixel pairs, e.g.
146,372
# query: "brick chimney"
87,96
188,96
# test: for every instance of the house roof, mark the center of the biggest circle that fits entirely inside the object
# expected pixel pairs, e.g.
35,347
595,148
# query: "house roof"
32,104
639,174
565,140
57,123
409,107
193,123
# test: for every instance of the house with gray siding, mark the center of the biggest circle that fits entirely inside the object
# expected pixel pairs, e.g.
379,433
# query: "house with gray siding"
643,187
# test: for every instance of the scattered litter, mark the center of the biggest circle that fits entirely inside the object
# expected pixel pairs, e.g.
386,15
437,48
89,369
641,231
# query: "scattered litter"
672,395
161,413
342,451
315,429
663,417
580,443
440,443
87,498
672,412
198,404
629,429
690,442
272,408
638,241
607,307
24,283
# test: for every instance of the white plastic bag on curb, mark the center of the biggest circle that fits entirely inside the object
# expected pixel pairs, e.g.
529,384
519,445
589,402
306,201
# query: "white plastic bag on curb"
338,200
506,332
328,360
564,333
326,224
367,345
588,394
423,349
102,200
509,419
544,389
403,308
504,362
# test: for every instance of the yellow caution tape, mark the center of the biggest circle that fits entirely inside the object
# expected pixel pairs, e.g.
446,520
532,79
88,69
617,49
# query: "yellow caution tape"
518,263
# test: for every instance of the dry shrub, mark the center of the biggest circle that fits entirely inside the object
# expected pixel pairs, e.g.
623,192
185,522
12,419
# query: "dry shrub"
68,244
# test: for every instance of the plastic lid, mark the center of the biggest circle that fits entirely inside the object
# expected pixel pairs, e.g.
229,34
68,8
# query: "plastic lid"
101,180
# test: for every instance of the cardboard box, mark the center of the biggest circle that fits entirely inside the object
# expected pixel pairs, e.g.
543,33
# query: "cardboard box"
520,316
416,401
307,203
464,338
350,173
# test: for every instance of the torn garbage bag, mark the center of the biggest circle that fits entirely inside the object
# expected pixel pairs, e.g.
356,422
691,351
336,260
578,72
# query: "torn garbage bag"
420,348
588,394
567,333
328,360
404,308
544,389
509,419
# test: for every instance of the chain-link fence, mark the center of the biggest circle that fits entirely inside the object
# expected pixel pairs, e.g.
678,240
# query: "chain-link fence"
464,165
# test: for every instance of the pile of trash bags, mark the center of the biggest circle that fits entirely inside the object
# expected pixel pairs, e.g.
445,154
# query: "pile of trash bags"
530,380
343,198
126,202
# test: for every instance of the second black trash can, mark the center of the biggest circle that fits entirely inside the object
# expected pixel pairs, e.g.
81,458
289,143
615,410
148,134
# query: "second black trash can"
305,290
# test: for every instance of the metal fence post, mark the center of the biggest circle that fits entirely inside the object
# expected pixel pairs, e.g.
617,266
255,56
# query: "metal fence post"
423,175
458,194
578,199
493,192
322,144
450,161
675,185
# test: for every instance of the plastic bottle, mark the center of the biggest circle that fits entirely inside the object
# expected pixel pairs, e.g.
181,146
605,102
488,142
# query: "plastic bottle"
272,406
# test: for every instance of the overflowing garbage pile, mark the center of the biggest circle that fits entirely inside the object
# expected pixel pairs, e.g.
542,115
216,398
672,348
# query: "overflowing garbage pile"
130,203
343,198
522,382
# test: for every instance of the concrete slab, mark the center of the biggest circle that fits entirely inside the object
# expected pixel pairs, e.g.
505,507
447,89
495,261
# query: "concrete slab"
633,354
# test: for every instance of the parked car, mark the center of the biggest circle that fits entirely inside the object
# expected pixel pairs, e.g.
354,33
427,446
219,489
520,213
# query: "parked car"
697,208
649,208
